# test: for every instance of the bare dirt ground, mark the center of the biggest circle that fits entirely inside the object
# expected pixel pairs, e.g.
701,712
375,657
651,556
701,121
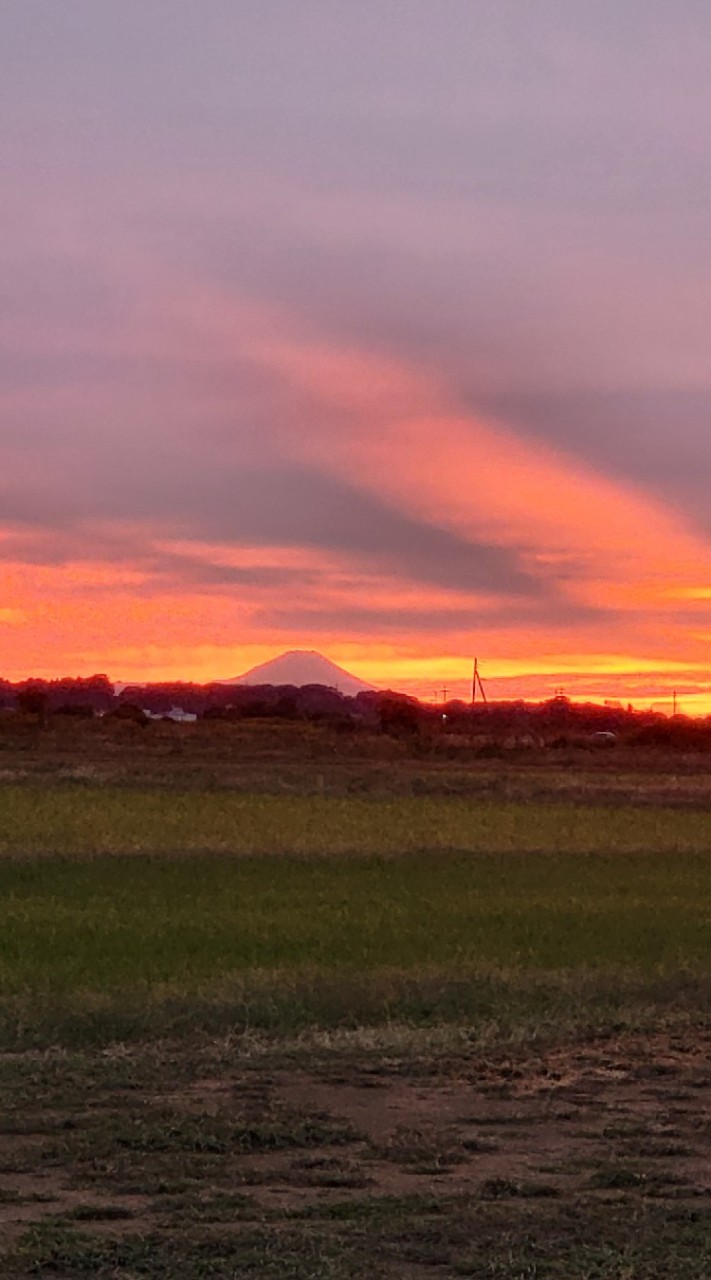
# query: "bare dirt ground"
345,1157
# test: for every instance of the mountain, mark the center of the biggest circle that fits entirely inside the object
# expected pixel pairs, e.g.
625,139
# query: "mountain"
300,667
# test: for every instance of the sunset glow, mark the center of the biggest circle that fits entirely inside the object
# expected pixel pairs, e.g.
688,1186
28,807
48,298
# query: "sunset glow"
390,371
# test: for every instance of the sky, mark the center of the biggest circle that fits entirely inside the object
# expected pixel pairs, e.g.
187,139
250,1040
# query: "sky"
380,329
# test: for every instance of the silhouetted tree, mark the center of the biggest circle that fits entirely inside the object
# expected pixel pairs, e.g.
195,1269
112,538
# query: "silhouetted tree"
398,714
33,700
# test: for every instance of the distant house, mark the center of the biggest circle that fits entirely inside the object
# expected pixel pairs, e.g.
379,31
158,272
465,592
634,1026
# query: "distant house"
176,713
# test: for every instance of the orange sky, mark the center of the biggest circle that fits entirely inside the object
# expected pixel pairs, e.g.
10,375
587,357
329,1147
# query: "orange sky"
614,577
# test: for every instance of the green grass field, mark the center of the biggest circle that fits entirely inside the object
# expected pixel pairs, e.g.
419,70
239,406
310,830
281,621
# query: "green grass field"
538,904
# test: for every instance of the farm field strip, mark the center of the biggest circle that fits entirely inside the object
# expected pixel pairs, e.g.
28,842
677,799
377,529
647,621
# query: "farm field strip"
296,941
86,820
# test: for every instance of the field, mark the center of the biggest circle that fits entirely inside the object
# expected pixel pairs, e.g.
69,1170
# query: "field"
305,1007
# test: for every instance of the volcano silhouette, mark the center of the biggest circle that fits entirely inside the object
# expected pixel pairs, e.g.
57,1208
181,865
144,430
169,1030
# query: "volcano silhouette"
300,667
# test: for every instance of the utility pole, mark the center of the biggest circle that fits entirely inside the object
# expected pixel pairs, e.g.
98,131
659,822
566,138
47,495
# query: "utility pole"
674,703
476,680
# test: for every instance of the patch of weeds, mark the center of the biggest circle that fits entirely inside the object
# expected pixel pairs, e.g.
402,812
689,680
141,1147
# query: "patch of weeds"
621,1177
295,1131
623,1129
639,1139
616,1178
507,1188
98,1213
126,1180
54,1248
317,1161
479,1146
538,1191
496,1089
514,1118
339,1180
654,1071
218,1206
498,1188
8,1195
31,1126
658,1148
289,1255
17,1162
582,1241
567,1167
424,1152
259,1254
327,1171
174,1133
684,1213
432,1242
384,1209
